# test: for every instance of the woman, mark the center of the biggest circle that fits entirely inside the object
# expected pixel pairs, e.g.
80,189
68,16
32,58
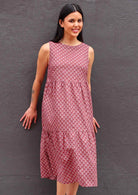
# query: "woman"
68,142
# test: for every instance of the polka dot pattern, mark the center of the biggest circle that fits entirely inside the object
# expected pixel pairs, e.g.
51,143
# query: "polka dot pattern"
68,141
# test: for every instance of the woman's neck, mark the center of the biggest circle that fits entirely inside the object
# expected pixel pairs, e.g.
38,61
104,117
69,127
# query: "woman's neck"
69,41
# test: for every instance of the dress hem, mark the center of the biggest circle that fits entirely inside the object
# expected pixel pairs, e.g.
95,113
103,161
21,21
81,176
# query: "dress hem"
55,178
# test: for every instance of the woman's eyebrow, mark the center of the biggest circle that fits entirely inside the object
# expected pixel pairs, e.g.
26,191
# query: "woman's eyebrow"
74,18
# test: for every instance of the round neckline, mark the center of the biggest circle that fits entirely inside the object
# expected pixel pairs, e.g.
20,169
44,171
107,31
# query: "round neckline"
71,45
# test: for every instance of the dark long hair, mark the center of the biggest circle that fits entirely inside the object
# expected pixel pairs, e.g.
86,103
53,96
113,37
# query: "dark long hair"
66,10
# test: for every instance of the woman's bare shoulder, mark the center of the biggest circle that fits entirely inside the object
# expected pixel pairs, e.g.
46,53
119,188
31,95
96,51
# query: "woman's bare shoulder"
91,52
44,48
43,53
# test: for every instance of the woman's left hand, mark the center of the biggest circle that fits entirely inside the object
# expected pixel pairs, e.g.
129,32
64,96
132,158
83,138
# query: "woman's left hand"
95,123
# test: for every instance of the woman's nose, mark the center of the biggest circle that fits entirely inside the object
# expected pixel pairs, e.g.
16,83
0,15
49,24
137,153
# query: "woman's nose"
76,24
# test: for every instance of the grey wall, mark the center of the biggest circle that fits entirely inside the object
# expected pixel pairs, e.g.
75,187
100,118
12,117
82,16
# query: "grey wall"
110,28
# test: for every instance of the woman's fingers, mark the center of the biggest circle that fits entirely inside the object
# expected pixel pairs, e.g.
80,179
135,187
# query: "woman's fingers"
28,117
96,122
35,119
29,124
27,121
24,121
22,117
95,128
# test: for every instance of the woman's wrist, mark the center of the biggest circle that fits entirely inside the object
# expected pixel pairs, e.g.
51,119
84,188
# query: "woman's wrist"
33,108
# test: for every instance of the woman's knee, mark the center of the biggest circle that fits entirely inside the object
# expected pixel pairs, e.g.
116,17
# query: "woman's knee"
72,188
61,188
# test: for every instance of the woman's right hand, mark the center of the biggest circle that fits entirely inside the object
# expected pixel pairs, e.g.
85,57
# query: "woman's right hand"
28,117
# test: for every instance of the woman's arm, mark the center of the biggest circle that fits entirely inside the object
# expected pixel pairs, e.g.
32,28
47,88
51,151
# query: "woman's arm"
42,62
91,60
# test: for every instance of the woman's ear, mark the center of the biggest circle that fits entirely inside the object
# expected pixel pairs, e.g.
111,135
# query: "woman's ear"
60,23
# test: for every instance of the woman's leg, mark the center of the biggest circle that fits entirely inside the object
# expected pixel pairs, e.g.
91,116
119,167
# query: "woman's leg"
67,189
72,188
61,188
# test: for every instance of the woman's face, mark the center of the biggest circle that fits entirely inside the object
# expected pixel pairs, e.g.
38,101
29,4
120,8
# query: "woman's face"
72,24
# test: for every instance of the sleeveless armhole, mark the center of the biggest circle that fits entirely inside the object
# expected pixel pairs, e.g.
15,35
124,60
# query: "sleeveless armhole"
88,54
49,53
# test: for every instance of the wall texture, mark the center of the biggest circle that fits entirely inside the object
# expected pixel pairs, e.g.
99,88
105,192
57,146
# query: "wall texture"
110,28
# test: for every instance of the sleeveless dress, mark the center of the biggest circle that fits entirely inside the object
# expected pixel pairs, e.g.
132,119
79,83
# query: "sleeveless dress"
68,141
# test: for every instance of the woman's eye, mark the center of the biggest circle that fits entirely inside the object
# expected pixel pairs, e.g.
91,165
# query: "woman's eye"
78,20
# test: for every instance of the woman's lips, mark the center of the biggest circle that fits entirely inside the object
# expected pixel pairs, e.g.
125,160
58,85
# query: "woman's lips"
75,30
